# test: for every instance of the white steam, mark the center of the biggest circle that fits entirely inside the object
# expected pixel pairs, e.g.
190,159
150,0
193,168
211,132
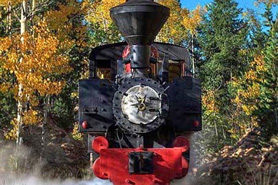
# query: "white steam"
8,176
33,180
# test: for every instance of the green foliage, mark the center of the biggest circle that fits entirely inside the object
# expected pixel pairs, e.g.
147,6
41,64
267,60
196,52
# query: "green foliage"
222,39
7,110
239,72
269,96
7,102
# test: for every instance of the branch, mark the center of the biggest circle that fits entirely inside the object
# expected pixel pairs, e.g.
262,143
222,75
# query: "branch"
17,17
39,8
7,13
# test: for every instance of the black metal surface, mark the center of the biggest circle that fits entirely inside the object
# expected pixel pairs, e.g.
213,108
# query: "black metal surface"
120,67
140,53
140,59
141,163
164,71
117,109
95,105
185,104
140,21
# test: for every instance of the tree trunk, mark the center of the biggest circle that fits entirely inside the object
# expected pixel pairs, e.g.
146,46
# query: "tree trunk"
9,28
33,5
33,10
276,105
193,59
275,94
276,118
45,120
23,27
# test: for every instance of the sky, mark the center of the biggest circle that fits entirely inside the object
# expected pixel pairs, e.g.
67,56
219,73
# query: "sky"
245,4
191,4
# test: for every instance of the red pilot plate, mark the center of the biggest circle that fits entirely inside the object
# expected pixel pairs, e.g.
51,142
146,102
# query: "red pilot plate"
113,164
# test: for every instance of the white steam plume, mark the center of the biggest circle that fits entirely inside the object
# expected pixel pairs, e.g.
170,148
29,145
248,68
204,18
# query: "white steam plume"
9,177
33,180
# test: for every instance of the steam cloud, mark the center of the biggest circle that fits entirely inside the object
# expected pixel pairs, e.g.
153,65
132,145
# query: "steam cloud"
9,177
33,180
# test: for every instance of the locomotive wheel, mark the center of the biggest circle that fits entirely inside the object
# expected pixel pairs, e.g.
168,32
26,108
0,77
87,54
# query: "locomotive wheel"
140,105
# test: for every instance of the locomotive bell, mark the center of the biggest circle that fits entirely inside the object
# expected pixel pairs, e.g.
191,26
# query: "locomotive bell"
140,20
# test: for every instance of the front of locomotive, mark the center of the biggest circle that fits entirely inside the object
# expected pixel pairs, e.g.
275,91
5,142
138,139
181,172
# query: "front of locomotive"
138,125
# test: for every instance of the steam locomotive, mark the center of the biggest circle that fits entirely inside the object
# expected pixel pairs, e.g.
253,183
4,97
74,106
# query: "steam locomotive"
140,111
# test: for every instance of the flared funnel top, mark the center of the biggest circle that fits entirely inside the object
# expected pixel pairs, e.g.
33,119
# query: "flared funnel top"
140,20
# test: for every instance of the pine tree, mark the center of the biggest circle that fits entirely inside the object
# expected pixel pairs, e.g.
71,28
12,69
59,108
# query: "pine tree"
222,39
269,86
256,91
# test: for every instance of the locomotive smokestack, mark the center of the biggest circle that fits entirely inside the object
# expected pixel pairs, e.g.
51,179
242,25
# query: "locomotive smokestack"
139,21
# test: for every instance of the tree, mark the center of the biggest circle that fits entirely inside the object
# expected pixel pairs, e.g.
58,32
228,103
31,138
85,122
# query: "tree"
38,58
247,89
173,31
269,98
102,28
191,21
7,103
256,90
222,39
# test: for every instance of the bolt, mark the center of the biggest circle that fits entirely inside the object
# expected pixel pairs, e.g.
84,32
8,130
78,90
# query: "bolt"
129,181
104,174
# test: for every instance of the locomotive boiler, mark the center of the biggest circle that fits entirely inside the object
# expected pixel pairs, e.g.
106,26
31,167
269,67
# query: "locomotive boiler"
141,102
